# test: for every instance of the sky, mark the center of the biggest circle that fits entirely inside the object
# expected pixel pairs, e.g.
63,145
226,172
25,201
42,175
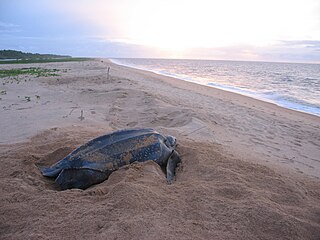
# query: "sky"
250,30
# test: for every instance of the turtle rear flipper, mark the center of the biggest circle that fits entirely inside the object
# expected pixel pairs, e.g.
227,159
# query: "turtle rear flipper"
54,170
49,171
172,163
80,178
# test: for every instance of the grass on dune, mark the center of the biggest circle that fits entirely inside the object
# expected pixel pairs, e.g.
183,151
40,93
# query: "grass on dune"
26,61
38,72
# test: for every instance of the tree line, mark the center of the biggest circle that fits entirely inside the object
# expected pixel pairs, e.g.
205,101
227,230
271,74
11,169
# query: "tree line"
13,54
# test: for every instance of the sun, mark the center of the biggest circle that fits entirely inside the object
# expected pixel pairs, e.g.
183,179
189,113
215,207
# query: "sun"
179,25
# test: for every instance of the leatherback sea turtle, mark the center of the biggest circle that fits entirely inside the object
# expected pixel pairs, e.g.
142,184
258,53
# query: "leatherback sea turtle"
94,161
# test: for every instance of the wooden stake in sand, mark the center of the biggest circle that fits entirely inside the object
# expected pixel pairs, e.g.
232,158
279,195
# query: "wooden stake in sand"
108,72
81,116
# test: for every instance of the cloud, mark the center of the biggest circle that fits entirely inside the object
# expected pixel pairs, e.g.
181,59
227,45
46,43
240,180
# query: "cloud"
89,46
315,44
283,51
293,51
6,27
196,23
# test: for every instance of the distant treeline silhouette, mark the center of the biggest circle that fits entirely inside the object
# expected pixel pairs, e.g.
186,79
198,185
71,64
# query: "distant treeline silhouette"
13,54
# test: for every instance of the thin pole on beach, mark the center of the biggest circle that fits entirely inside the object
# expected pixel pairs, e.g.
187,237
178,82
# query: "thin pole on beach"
81,116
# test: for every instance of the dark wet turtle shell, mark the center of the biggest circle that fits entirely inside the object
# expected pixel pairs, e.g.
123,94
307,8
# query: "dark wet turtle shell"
94,161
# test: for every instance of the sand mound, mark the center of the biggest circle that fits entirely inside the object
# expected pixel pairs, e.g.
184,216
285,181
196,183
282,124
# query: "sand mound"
213,197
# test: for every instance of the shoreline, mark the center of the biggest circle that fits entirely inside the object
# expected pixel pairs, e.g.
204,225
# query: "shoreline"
240,96
250,169
254,95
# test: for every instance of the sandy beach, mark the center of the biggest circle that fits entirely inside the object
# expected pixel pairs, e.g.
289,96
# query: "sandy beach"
250,169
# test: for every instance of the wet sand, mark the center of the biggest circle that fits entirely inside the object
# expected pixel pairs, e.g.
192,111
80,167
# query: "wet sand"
250,169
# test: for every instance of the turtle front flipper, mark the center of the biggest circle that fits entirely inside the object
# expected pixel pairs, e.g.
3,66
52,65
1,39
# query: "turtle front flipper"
172,163
80,178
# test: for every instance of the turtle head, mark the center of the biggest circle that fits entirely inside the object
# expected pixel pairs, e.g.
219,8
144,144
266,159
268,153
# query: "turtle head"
171,141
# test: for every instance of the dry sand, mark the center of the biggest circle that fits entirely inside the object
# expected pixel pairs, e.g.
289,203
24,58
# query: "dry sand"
250,169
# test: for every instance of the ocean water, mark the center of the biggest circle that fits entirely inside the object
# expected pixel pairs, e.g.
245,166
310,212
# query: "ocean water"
291,85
